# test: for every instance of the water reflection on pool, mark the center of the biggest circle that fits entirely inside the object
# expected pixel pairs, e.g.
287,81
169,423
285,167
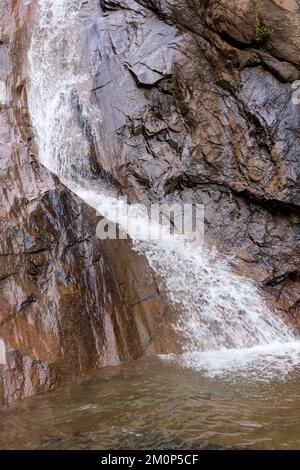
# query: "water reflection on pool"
156,405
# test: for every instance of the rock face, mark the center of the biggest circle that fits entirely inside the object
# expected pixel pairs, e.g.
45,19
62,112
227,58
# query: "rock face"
65,308
197,105
205,115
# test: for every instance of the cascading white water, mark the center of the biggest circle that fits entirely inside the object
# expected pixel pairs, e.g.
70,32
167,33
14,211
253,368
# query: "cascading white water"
224,322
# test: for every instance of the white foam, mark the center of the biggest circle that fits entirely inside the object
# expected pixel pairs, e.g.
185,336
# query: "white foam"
263,362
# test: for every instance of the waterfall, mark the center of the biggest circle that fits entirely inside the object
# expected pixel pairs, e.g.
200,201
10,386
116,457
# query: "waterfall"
224,322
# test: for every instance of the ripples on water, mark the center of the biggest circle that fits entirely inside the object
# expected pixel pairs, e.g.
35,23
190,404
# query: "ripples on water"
158,405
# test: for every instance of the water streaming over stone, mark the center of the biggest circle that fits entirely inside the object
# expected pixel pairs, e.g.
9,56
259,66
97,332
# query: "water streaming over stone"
223,321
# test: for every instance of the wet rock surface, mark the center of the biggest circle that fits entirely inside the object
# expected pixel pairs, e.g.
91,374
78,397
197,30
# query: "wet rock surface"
219,127
65,307
197,108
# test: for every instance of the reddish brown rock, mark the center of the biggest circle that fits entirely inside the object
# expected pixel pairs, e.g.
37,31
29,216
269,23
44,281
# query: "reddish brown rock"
68,303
